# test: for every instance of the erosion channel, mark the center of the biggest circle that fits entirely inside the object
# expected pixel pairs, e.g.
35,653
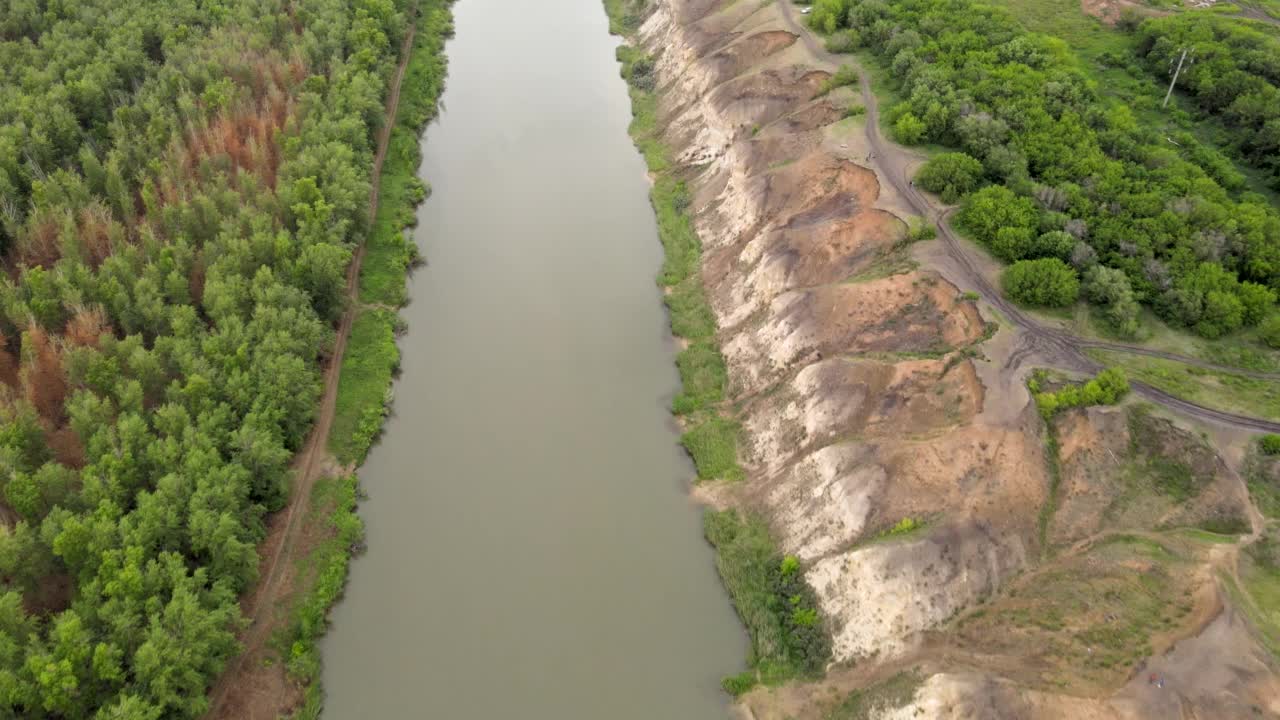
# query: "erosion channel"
532,551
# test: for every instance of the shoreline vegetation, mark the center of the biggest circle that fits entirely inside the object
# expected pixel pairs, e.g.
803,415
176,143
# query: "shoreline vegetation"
372,358
777,607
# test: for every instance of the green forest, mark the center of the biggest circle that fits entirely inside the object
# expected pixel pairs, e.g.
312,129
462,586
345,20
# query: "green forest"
1066,173
1232,71
182,186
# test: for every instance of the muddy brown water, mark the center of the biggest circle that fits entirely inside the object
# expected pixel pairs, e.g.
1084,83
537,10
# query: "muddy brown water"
532,552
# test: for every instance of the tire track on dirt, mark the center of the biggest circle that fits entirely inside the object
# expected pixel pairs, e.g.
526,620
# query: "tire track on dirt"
1060,348
314,458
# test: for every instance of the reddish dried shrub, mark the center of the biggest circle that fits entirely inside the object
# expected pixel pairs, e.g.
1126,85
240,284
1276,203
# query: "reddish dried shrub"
43,378
8,364
86,327
97,229
40,243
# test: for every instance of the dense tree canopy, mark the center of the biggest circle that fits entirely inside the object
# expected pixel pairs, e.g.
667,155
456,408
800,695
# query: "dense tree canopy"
1064,160
1234,74
182,184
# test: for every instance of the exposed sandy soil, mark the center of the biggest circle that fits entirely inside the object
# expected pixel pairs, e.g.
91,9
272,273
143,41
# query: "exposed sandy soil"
1110,11
871,389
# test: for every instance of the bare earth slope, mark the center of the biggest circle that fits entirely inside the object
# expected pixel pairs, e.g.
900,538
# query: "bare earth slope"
871,389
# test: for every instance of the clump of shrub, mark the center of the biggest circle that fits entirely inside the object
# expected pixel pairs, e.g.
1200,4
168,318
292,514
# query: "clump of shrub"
844,42
739,684
904,526
995,209
919,230
845,75
1107,388
779,609
1110,288
909,129
1046,282
641,73
1269,444
1269,331
952,175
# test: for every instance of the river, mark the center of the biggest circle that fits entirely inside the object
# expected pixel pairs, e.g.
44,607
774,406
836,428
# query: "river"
532,551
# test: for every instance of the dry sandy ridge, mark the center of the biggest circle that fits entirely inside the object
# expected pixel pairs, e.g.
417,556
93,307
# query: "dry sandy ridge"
870,392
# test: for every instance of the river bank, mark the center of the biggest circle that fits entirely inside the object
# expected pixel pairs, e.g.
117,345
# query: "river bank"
526,523
886,435
306,561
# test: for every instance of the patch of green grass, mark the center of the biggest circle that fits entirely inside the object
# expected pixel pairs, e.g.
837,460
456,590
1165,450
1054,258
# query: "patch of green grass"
1167,472
625,16
905,526
1053,466
1087,620
364,385
1260,595
1225,526
1139,545
844,75
1262,475
1215,389
1241,349
333,503
703,377
887,263
905,529
713,445
877,700
1206,536
1266,496
778,607
1172,477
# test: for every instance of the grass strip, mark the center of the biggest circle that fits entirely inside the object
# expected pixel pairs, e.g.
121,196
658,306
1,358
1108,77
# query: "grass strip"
1212,388
364,385
371,359
334,500
388,252
711,438
771,596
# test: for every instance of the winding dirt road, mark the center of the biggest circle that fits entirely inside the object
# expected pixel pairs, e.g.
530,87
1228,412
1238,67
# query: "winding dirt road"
313,460
1061,349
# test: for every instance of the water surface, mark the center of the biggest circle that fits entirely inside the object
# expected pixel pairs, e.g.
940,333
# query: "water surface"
532,551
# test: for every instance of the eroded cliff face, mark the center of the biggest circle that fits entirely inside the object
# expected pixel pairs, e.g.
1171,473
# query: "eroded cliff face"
868,393
860,405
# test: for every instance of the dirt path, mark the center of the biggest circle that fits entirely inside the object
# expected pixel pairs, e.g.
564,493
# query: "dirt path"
313,460
1062,349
